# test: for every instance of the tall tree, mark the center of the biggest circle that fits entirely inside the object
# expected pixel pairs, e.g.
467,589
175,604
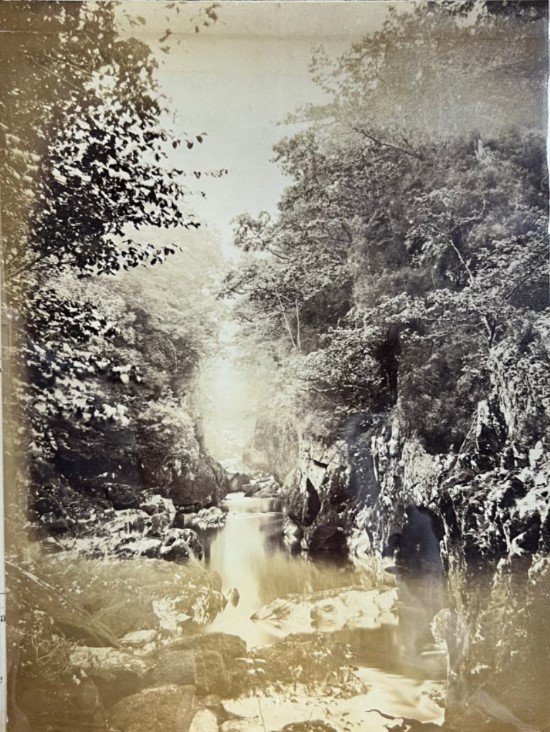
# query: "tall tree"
86,188
403,247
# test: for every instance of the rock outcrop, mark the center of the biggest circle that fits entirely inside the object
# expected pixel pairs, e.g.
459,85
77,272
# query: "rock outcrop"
114,645
476,521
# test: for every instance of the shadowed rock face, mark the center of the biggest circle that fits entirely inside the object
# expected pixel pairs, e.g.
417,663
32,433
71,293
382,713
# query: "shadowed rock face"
479,520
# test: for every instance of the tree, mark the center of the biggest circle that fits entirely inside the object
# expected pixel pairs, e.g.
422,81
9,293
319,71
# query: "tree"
87,191
404,257
432,71
93,166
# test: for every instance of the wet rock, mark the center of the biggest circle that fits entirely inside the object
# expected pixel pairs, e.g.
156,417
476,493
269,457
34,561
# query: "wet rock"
180,545
269,491
168,707
292,534
316,657
198,604
262,486
156,503
237,481
129,546
205,519
304,507
417,548
178,522
157,525
204,488
331,611
233,596
328,540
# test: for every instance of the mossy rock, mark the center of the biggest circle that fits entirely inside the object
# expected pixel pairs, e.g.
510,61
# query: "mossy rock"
169,707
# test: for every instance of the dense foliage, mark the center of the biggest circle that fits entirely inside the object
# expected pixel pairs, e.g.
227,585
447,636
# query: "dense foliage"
411,240
100,363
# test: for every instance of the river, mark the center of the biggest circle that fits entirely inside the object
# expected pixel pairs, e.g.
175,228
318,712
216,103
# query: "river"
395,661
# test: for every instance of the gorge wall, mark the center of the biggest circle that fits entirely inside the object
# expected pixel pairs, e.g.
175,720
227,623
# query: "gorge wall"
480,516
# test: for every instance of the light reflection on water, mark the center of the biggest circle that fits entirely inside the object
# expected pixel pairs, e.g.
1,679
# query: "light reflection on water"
250,555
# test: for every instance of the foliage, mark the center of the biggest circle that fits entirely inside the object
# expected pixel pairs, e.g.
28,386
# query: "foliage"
398,261
86,163
97,360
439,69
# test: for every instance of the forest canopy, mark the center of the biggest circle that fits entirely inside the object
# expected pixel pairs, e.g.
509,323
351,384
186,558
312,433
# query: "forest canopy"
412,238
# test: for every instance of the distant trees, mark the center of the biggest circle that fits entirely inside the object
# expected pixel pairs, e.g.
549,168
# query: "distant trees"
411,239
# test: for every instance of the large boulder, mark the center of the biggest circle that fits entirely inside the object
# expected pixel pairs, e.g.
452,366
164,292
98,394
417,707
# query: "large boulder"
203,669
168,707
180,545
63,705
237,481
129,615
229,646
203,520
122,496
116,673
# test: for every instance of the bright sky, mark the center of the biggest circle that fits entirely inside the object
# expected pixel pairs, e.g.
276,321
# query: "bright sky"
238,79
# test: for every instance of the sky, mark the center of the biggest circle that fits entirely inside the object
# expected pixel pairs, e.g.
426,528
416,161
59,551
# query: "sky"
237,80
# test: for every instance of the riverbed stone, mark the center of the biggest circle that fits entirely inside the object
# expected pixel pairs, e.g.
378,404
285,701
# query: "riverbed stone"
129,615
169,707
229,646
206,670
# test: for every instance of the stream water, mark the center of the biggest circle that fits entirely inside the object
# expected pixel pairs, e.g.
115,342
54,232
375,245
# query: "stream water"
250,556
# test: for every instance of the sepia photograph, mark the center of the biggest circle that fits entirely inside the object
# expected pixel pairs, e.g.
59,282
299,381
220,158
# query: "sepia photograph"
275,341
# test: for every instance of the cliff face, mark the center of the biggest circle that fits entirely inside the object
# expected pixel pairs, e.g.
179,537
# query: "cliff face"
480,516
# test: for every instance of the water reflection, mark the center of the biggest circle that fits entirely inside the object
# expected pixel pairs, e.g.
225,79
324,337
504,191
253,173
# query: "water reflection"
250,556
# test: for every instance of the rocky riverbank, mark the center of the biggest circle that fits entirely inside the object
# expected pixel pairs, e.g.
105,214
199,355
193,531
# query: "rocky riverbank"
476,521
119,646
